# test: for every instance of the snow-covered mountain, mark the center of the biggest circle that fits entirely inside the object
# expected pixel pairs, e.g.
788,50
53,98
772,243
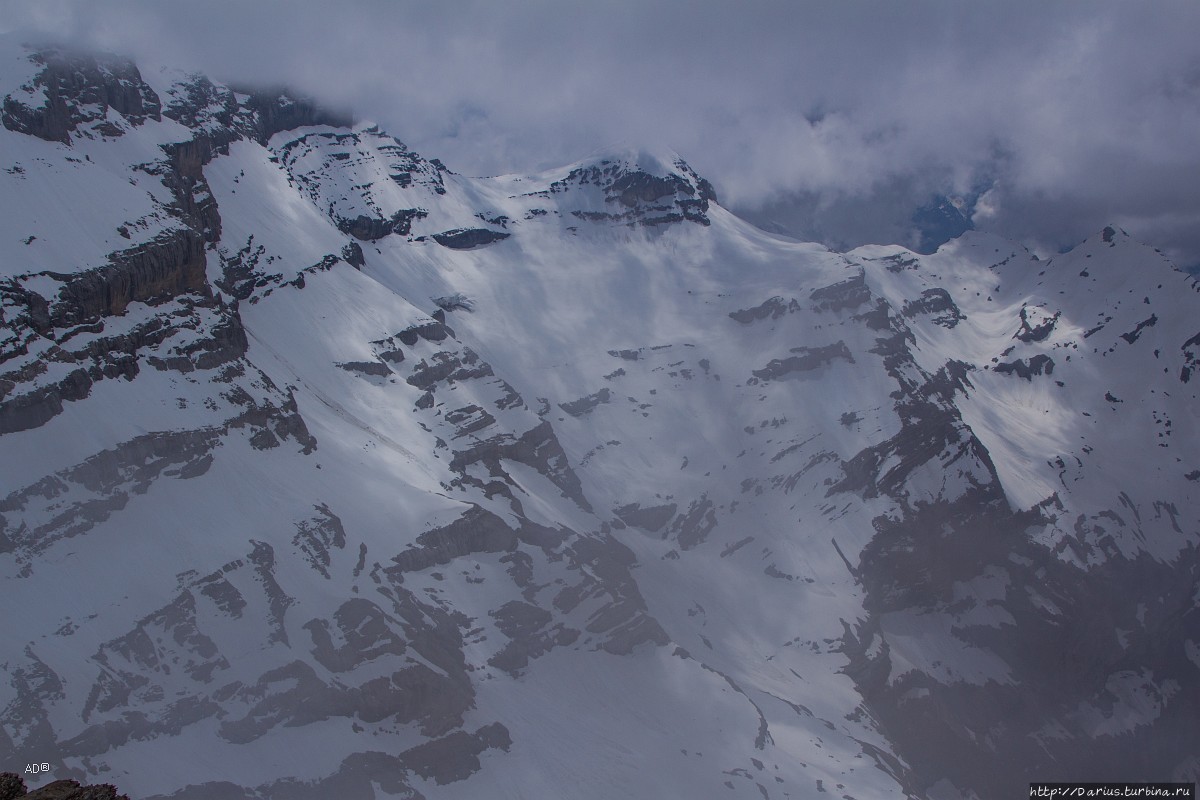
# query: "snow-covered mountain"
328,472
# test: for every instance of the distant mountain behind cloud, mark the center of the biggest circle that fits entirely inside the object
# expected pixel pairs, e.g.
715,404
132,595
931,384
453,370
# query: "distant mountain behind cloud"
845,223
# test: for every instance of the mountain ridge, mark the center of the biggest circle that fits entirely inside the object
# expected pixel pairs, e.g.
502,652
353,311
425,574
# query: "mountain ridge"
413,484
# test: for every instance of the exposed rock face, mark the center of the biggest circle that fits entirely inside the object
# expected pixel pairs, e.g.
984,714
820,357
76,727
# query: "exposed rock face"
652,518
847,294
1035,325
30,395
468,238
373,211
1041,364
77,92
370,229
169,268
914,573
1049,632
184,176
201,105
931,427
1132,336
1191,358
640,197
935,302
853,529
33,409
352,254
277,110
577,408
163,268
110,477
809,359
771,308
455,757
476,532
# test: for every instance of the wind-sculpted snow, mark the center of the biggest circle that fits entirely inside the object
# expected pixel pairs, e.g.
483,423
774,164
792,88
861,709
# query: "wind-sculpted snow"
330,472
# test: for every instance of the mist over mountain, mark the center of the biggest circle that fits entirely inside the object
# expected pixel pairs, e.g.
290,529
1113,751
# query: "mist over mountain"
1069,117
329,471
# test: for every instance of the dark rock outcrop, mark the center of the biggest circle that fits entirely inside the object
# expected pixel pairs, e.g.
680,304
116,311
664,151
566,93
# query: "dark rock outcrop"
641,197
435,331
537,447
364,228
278,110
850,293
455,757
372,228
531,635
477,531
649,518
172,264
772,308
1132,336
366,368
632,188
809,359
199,104
78,91
577,408
468,238
940,303
352,254
1191,358
34,409
1037,332
444,366
28,400
12,787
1069,664
184,176
1041,364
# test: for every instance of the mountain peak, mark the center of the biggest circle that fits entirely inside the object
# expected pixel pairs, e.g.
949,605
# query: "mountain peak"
635,186
1108,237
626,164
72,94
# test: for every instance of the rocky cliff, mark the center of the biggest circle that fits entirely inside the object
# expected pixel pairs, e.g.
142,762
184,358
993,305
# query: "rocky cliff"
371,479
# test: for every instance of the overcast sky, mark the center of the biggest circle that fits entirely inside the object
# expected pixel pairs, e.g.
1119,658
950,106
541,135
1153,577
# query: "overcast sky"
1070,115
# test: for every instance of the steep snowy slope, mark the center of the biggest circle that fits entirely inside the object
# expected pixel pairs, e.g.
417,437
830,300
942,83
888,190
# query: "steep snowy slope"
327,471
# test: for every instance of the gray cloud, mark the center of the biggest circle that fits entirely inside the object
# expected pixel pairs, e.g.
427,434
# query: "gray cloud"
1076,114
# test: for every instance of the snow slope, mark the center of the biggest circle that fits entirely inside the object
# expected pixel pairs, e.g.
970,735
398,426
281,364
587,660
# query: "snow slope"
338,473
